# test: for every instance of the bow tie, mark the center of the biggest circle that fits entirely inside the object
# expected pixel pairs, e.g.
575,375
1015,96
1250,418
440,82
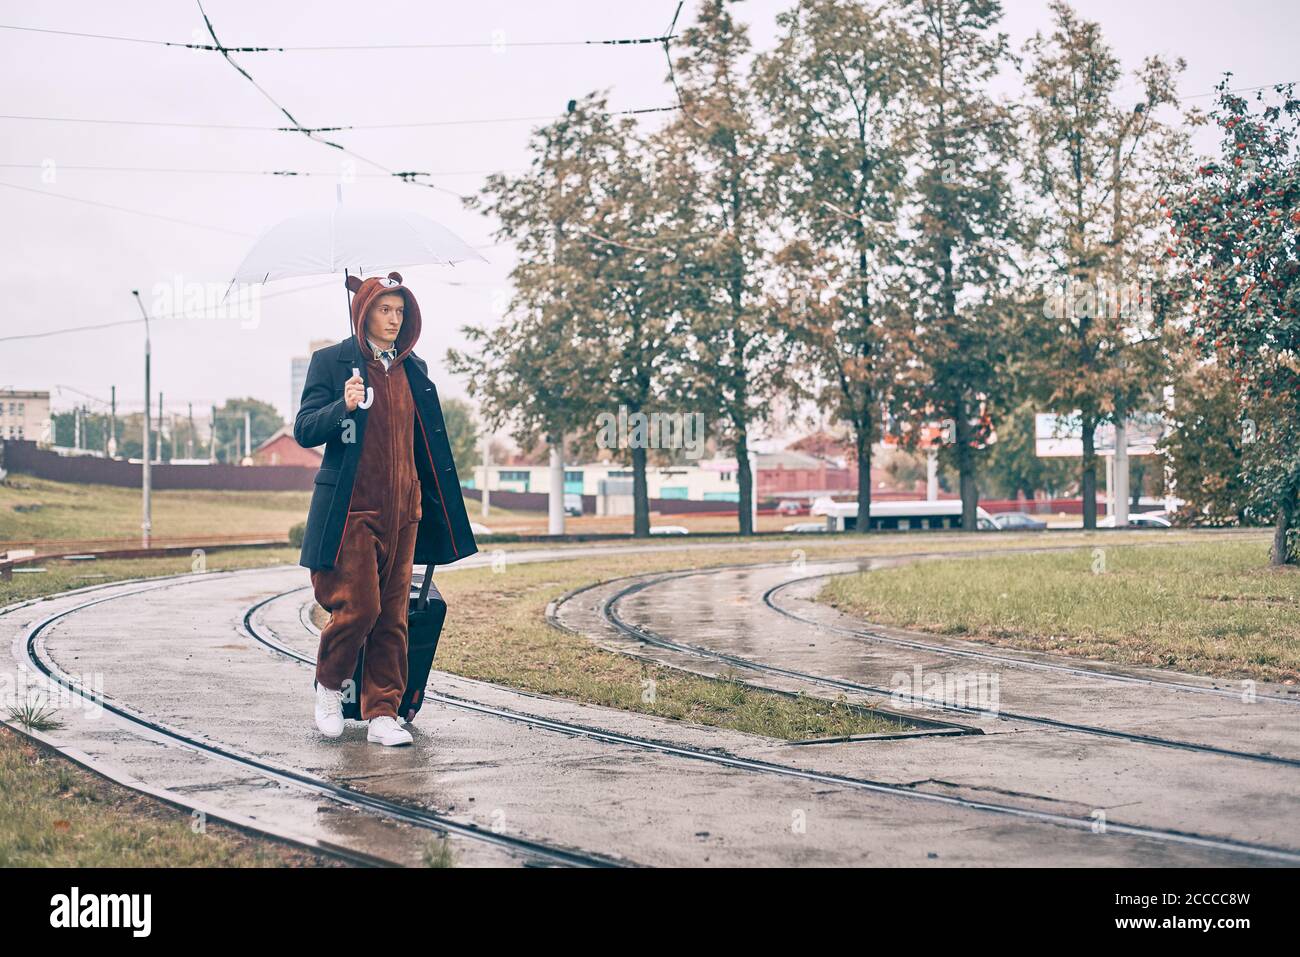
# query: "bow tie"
390,354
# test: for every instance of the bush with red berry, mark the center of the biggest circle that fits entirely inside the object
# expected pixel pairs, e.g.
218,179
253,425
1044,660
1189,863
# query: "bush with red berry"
1235,243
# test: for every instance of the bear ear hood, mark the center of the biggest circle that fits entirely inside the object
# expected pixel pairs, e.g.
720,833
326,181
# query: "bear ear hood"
365,292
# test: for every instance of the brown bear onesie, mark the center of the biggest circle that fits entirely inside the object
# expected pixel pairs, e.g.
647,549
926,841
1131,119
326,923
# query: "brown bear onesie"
368,588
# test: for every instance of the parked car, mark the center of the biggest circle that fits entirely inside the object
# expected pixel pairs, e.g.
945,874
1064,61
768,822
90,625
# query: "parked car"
669,530
1018,522
789,507
572,503
805,527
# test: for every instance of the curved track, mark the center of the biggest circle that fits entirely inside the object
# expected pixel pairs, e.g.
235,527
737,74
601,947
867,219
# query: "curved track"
642,634
540,852
1006,661
616,734
761,766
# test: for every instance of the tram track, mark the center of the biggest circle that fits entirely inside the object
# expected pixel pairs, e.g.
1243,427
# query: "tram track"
541,852
537,852
754,765
609,611
1008,661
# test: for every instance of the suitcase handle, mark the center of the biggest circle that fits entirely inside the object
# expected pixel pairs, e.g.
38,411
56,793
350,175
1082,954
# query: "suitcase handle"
423,603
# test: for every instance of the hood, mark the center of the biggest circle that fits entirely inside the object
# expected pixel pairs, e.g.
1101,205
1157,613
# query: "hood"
366,291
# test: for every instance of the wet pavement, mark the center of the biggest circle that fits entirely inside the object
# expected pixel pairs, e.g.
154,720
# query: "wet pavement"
1018,761
177,653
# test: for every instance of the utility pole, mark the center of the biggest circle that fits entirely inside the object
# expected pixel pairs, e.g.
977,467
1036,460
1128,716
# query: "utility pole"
1119,489
146,525
487,473
555,504
110,447
248,433
189,442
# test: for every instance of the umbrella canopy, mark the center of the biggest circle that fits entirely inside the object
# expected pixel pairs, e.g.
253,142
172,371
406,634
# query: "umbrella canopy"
350,238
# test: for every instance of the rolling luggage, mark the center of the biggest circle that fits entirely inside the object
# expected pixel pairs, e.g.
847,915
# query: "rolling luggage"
424,624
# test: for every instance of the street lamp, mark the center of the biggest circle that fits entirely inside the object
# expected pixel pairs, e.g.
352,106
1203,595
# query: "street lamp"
145,477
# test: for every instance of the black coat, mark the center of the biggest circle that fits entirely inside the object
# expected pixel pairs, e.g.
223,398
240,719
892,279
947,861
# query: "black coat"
444,535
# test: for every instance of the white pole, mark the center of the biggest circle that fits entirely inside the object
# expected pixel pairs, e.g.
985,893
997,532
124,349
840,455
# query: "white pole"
1110,495
146,484
1121,474
487,471
753,488
932,475
555,505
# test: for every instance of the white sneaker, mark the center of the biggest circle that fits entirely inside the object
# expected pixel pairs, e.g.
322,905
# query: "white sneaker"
387,731
329,711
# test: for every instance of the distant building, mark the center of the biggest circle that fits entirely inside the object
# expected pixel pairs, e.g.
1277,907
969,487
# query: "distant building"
708,481
785,474
25,415
298,374
283,449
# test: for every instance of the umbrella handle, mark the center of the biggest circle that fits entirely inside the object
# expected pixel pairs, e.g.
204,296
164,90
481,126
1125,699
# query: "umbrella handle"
370,392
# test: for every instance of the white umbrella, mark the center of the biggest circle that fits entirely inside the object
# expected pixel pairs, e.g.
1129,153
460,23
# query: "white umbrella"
350,238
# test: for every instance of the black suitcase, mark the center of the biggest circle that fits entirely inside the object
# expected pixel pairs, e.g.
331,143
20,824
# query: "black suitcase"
424,624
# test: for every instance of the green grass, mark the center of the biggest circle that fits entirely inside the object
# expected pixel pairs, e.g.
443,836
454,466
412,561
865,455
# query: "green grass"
55,814
1212,608
61,575
437,853
37,509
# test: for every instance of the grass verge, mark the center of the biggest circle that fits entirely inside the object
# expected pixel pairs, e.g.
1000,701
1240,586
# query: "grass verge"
59,815
1212,608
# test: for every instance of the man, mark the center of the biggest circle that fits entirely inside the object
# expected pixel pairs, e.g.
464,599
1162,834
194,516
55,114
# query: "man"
386,496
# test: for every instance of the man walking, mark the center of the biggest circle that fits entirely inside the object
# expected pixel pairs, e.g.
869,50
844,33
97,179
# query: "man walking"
386,496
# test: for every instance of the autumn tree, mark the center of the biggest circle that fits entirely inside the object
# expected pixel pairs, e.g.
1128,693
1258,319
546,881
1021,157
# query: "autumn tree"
532,370
961,223
1203,448
633,332
832,89
718,228
1089,151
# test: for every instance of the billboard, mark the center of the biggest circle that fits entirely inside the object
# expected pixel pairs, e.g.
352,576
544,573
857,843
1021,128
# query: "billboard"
1061,436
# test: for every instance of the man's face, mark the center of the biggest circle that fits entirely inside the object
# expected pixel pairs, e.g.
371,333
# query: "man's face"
384,317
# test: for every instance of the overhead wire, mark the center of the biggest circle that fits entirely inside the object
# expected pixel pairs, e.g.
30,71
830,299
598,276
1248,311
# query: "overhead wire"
217,47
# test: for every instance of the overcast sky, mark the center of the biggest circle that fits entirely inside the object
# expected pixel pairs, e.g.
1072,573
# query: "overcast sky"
65,264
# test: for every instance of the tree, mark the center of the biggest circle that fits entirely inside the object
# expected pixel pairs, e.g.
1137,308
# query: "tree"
962,219
718,222
633,332
1013,466
265,422
1235,230
462,435
1203,448
1086,154
832,87
532,371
